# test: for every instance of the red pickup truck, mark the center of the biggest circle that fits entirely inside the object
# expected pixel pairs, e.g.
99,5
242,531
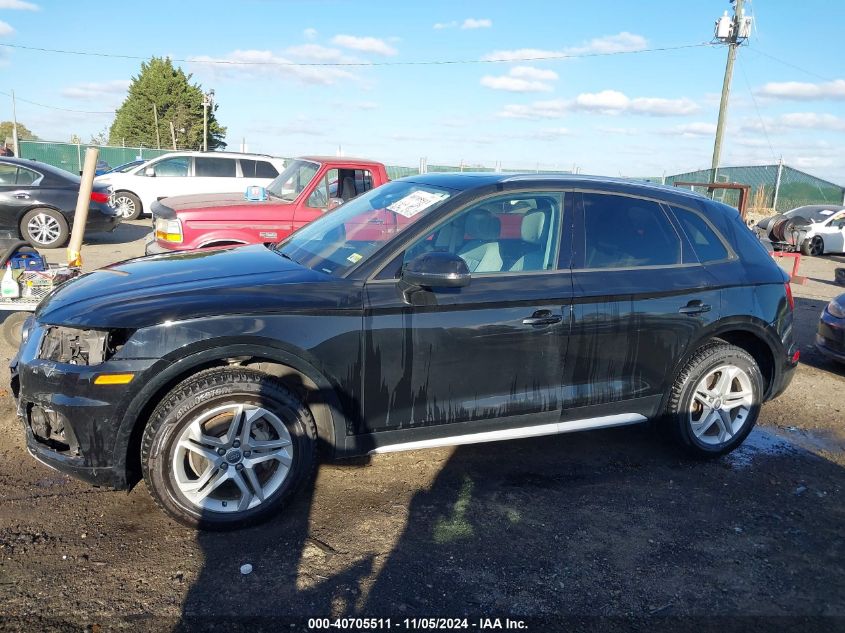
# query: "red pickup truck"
307,188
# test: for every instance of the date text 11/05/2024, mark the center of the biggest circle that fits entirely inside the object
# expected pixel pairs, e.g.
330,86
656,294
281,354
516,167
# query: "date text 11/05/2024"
357,624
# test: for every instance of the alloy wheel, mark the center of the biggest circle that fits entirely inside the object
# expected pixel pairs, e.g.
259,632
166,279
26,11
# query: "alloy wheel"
720,405
43,228
816,247
232,458
125,206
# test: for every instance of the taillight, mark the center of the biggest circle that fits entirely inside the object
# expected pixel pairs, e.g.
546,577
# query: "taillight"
789,296
99,196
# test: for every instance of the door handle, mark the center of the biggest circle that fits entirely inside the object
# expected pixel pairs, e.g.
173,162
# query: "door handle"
542,317
22,196
694,307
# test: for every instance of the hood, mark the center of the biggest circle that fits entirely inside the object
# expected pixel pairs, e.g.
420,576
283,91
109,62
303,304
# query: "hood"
193,284
208,203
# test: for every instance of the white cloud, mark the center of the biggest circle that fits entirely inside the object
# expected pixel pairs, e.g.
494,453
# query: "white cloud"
19,5
476,23
610,102
550,133
317,53
621,131
521,79
698,129
96,90
309,33
514,84
247,64
445,25
802,91
529,72
811,121
5,28
623,42
364,44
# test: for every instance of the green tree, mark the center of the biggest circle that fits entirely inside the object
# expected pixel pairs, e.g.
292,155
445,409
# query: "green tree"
23,132
175,98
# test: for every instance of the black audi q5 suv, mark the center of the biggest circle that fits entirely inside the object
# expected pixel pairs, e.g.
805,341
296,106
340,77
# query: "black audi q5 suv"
435,310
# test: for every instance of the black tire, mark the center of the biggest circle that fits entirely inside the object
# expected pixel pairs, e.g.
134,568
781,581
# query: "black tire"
813,247
677,420
199,395
13,326
54,223
132,204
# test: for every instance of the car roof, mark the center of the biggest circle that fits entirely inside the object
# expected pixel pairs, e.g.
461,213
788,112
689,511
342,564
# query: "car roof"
216,154
339,160
36,165
463,181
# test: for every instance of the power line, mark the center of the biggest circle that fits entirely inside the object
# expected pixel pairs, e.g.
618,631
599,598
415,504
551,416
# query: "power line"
791,65
434,62
43,105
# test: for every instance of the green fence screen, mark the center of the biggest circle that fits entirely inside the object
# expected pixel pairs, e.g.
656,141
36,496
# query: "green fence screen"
70,156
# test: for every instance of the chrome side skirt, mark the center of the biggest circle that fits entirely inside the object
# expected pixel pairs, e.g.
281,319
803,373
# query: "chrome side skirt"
555,428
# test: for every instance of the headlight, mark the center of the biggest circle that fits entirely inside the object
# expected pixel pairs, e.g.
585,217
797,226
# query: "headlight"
77,346
836,309
169,230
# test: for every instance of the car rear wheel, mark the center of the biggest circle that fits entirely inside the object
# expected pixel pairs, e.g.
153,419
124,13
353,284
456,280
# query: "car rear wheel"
127,205
715,400
814,246
44,228
226,448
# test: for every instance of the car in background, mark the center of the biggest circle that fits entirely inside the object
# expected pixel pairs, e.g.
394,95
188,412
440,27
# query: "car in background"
216,374
38,202
815,229
102,168
122,169
181,173
304,191
830,337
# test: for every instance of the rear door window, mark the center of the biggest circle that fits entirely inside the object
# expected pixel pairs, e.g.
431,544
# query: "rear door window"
627,232
27,176
705,241
209,167
7,175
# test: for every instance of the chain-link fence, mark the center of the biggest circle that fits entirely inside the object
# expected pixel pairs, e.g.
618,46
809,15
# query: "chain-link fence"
777,187
70,156
773,187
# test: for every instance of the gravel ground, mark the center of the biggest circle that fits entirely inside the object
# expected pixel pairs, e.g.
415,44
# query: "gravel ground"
606,523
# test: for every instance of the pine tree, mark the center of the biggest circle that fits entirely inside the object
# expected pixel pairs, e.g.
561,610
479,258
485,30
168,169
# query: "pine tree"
176,99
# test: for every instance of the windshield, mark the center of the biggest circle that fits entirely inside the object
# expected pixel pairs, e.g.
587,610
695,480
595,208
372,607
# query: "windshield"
290,183
339,240
816,213
122,169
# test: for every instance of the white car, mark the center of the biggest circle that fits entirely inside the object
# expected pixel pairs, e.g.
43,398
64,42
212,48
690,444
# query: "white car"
184,173
826,232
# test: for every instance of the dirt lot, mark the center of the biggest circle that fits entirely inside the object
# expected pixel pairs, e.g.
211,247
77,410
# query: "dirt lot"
606,523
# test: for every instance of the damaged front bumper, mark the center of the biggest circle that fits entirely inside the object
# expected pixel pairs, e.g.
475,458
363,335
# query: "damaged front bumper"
71,423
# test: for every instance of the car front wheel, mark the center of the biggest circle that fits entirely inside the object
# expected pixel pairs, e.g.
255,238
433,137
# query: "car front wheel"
813,247
226,448
715,400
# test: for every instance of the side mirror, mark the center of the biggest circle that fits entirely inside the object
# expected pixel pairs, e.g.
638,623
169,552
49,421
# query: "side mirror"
437,270
334,203
150,172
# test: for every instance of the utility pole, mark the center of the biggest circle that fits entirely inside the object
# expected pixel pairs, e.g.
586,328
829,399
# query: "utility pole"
733,32
14,128
158,133
207,101
173,135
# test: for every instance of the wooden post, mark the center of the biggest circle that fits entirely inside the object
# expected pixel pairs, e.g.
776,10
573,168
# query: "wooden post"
83,201
173,135
158,133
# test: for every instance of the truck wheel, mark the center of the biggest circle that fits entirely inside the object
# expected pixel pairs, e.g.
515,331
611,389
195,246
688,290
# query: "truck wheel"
813,246
44,228
715,401
226,448
128,205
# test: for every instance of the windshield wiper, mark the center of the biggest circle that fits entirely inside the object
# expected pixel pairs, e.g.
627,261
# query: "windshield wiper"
286,256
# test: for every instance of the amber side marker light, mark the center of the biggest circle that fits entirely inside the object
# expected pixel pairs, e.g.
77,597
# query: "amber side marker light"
113,379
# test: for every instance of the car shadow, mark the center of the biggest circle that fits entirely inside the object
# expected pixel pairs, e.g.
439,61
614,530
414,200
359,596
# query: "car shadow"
602,523
127,231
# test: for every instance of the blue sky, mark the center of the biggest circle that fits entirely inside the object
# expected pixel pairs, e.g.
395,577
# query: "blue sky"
642,113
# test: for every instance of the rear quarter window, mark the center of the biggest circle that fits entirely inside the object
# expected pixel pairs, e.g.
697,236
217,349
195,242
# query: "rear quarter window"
705,241
214,167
